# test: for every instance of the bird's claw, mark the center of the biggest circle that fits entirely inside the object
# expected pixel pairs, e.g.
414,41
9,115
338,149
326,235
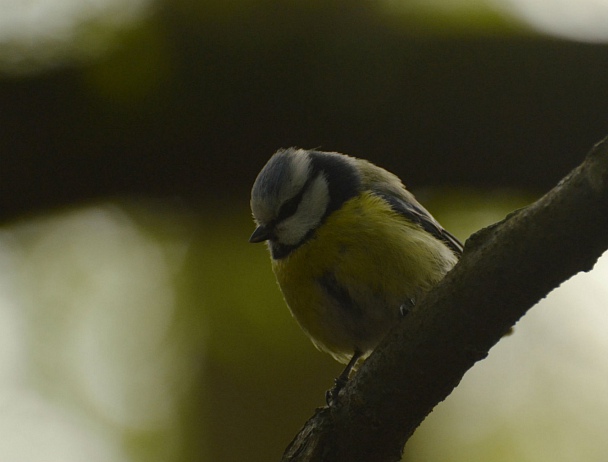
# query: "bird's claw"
331,395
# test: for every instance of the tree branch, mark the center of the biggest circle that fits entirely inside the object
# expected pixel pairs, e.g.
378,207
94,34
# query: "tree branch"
506,268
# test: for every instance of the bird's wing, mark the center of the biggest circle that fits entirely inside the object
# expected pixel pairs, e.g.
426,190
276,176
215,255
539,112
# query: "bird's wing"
388,186
415,212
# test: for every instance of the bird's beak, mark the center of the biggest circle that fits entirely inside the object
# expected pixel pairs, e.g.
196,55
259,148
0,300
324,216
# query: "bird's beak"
261,233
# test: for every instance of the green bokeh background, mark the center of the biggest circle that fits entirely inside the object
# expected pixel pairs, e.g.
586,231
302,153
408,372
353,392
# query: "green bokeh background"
138,322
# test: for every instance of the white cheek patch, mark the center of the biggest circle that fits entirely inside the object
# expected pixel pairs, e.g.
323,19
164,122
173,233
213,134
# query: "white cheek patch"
308,216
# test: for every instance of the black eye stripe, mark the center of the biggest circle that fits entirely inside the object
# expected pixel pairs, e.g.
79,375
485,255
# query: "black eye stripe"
291,206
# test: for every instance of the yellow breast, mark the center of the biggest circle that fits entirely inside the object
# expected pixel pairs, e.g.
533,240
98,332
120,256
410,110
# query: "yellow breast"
367,254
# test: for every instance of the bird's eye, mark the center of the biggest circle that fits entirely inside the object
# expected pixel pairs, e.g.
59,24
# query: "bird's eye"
290,207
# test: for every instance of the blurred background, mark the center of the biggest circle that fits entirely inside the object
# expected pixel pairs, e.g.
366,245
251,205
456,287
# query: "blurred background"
137,323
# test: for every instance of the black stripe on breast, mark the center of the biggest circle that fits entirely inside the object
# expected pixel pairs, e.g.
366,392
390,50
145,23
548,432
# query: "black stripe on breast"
339,293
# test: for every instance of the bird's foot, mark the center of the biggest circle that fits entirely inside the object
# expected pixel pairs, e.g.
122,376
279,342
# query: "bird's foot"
331,395
406,307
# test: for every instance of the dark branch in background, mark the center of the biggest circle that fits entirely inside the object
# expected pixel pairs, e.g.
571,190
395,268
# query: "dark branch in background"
506,269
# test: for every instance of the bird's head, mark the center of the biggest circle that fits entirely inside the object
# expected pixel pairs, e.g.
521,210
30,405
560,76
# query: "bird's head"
294,193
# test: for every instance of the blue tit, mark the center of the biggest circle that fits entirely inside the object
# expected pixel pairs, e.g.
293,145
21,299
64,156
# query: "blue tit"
351,248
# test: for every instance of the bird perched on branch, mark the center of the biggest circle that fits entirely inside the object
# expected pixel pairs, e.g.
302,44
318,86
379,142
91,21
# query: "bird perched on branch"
351,248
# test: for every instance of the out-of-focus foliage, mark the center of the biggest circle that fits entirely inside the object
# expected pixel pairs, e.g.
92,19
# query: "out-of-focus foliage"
584,20
134,332
97,358
145,329
41,34
178,96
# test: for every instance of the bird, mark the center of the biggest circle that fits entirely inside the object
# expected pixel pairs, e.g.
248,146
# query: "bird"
351,248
